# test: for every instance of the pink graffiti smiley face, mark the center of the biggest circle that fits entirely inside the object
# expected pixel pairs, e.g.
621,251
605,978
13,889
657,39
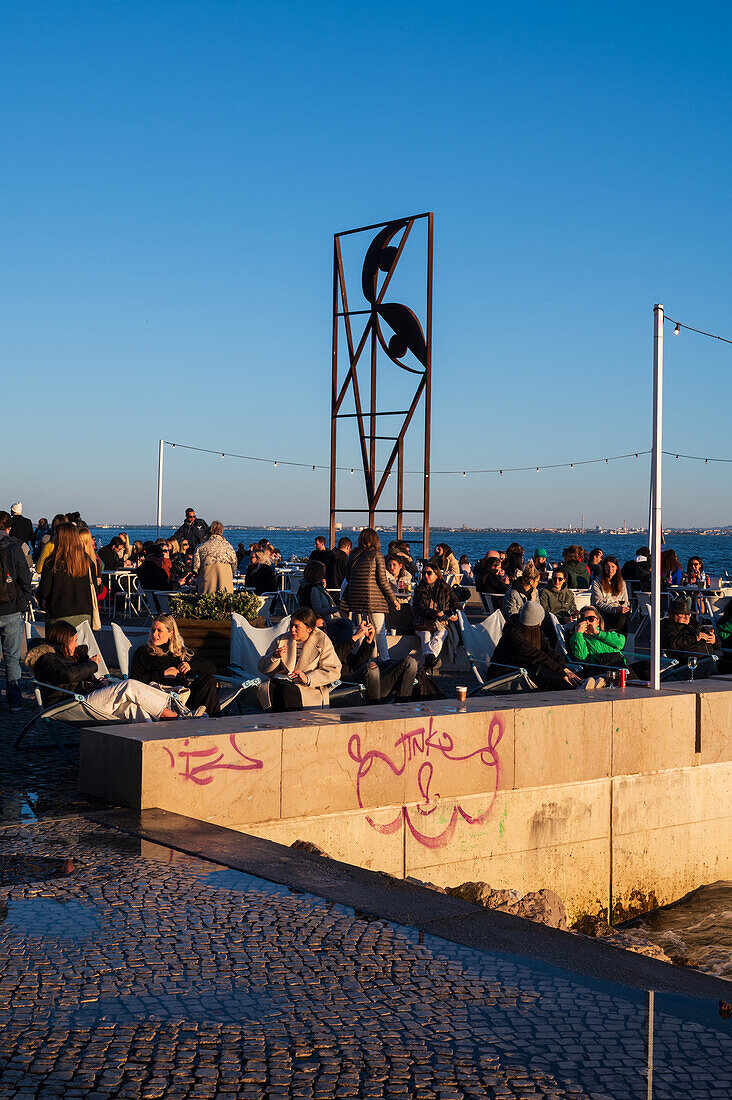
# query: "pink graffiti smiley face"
429,758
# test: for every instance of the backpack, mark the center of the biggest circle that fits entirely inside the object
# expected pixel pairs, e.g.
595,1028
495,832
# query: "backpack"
8,587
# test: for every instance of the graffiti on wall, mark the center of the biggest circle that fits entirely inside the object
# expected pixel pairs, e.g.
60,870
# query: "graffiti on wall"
201,766
426,756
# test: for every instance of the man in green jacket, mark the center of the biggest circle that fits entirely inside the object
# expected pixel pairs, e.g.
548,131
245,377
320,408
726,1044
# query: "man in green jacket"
592,643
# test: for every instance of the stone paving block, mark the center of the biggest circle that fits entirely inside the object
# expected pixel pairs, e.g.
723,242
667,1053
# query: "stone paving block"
566,743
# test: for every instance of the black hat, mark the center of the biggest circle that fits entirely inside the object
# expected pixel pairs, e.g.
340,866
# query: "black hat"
679,606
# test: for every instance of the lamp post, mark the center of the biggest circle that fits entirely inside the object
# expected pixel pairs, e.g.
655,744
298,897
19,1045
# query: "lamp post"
656,462
159,517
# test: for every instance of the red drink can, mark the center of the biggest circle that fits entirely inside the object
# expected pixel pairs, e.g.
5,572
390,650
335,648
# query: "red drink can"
622,678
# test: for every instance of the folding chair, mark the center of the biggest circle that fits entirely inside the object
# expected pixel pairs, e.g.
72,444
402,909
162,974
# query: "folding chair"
123,648
480,642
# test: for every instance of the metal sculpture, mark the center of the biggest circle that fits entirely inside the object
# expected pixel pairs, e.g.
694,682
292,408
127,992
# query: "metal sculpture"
394,330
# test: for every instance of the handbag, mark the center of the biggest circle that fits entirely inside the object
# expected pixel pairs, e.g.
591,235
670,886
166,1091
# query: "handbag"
96,621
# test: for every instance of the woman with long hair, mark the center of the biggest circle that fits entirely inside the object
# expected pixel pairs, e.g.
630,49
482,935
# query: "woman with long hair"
165,660
435,607
312,592
610,596
65,591
59,661
100,588
671,571
368,594
514,561
215,561
47,542
299,667
447,563
695,574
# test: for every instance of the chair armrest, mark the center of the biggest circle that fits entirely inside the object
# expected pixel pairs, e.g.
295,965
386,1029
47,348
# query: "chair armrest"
64,691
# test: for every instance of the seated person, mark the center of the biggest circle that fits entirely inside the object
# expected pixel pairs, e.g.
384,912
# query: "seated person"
260,574
610,596
682,637
435,607
489,575
671,571
523,644
299,668
113,554
638,569
396,574
578,575
466,571
164,659
138,554
593,644
400,549
522,589
312,592
152,574
558,598
58,660
540,556
695,574
724,629
594,563
392,679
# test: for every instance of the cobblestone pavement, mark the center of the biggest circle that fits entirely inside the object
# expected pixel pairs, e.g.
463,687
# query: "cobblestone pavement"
144,973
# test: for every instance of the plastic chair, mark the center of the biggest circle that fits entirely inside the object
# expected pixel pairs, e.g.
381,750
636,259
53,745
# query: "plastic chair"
131,596
249,643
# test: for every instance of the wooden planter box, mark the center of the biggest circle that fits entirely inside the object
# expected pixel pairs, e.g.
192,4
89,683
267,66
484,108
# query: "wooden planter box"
208,638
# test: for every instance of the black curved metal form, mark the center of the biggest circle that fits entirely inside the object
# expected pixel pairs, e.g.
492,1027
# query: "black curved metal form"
394,329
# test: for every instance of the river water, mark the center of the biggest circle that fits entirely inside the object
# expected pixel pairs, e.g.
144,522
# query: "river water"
698,927
715,550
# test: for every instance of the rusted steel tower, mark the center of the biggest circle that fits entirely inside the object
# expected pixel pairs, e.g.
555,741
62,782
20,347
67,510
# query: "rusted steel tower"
394,330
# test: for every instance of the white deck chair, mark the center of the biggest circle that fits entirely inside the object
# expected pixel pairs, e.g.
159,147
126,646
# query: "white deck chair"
85,636
123,648
561,640
480,642
249,643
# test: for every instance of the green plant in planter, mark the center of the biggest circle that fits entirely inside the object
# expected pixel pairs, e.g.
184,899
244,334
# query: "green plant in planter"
216,605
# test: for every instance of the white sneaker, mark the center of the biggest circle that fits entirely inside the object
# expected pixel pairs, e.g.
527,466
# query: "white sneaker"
600,682
589,684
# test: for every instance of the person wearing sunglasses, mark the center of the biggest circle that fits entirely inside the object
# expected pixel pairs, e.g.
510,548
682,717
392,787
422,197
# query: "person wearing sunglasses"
435,607
591,644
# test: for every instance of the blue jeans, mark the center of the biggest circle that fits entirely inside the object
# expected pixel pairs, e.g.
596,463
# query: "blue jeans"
11,635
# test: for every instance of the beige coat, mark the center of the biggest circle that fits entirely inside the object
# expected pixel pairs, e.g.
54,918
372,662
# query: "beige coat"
318,661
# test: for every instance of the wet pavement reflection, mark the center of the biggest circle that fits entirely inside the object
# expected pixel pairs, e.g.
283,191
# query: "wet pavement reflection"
150,973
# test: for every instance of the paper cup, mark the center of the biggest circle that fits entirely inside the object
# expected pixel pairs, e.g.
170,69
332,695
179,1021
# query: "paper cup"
462,694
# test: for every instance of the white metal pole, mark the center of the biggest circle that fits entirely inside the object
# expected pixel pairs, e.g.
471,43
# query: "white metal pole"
656,461
160,487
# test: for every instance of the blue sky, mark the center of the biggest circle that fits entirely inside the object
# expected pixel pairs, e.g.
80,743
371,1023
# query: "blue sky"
172,176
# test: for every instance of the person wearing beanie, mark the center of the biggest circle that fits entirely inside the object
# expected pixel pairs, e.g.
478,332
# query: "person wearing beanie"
524,644
21,528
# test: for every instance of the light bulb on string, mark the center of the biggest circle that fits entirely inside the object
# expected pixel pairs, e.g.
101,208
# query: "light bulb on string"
571,465
275,463
500,473
223,455
351,471
463,473
677,330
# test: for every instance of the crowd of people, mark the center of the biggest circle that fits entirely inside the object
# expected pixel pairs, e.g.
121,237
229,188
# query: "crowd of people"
339,627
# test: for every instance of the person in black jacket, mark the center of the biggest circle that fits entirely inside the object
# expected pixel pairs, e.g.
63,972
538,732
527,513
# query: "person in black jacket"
489,575
260,574
193,530
321,551
59,661
21,528
164,659
435,607
113,554
336,566
523,644
65,591
383,680
682,637
15,586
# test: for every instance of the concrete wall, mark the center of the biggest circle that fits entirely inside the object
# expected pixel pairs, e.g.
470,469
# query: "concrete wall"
618,801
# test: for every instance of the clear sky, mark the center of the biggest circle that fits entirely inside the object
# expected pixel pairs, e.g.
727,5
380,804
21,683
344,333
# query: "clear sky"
172,174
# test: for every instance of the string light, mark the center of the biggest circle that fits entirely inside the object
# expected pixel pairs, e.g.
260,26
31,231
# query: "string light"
677,330
711,335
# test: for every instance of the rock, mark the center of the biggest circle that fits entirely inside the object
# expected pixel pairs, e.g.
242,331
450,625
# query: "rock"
542,906
477,892
308,846
641,947
429,885
593,926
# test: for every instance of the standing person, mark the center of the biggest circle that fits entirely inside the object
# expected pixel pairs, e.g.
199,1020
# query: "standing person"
215,561
337,565
321,551
435,607
65,591
193,530
95,573
368,593
610,596
21,528
15,586
47,543
41,530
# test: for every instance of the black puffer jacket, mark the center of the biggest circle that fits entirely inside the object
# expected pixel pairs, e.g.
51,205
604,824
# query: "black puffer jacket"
368,587
53,665
431,600
680,639
17,568
525,647
61,595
